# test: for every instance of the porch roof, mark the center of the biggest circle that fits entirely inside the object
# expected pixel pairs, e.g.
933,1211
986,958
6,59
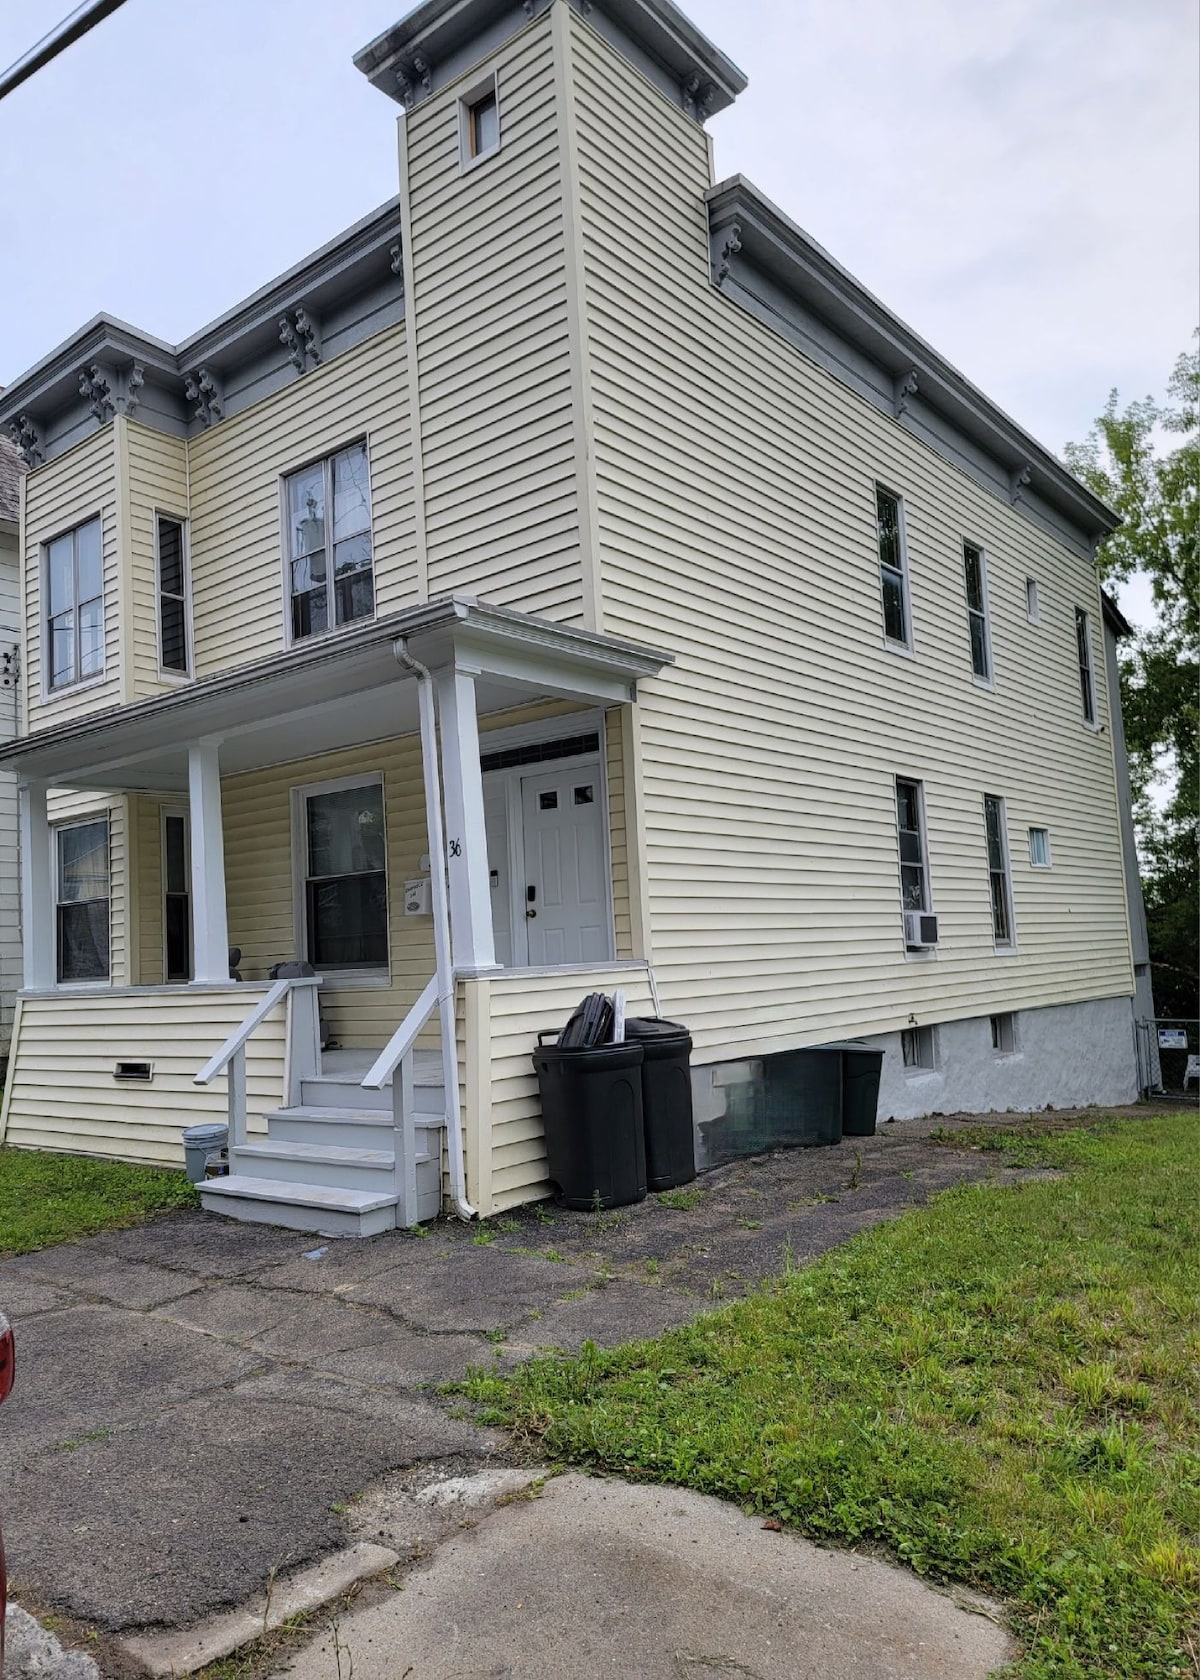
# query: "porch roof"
345,690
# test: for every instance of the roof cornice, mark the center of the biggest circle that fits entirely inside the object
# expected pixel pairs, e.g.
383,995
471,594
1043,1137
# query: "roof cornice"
111,342
746,227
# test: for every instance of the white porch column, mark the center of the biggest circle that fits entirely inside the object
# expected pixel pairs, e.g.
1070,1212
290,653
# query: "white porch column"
466,841
210,925
37,889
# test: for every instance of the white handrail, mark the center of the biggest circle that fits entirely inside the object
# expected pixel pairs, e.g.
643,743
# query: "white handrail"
403,1039
237,1038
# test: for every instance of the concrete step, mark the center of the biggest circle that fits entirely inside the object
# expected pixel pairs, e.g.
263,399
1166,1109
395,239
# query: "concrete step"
329,1165
331,1090
298,1207
351,1128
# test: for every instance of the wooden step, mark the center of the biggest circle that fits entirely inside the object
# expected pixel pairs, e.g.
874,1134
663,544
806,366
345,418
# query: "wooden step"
326,1211
352,1128
332,1165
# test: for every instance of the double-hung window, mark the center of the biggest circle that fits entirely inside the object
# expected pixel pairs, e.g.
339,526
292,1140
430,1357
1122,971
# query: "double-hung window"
75,598
172,596
345,879
910,822
998,876
329,543
81,893
977,614
1087,686
177,897
893,571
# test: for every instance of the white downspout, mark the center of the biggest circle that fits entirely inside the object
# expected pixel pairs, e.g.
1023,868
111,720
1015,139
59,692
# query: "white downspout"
441,928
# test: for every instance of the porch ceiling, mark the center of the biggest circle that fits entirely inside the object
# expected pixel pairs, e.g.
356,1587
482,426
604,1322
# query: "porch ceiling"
345,691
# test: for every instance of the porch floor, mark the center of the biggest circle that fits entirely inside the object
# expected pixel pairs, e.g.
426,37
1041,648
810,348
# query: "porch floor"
353,1064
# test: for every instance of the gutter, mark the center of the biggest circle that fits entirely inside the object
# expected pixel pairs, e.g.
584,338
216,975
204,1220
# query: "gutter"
441,928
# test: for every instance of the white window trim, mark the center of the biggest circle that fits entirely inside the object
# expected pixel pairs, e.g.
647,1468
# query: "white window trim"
285,546
345,978
176,811
908,647
104,816
1033,605
479,89
164,674
1006,947
521,735
81,685
988,682
1040,828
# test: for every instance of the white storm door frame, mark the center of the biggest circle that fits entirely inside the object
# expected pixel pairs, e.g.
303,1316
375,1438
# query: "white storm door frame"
553,729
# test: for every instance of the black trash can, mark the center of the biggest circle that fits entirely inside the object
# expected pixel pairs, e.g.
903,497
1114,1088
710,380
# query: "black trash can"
592,1113
861,1069
666,1101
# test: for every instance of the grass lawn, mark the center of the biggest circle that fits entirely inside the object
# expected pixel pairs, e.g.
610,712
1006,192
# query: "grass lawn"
48,1198
999,1388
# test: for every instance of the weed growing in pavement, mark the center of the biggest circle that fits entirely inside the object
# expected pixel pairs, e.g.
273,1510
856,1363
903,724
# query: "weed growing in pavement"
683,1200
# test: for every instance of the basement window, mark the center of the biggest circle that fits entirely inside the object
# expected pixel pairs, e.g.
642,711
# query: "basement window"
919,1048
479,123
1004,1034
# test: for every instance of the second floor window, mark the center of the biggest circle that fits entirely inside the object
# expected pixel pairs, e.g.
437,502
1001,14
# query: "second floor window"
75,597
1087,687
329,543
172,596
981,657
892,573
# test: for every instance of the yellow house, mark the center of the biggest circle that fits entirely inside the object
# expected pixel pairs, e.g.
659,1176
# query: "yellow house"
570,578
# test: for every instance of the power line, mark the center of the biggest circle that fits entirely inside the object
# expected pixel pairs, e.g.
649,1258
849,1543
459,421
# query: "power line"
83,18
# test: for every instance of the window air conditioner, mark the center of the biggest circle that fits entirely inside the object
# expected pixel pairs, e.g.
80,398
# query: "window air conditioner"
920,930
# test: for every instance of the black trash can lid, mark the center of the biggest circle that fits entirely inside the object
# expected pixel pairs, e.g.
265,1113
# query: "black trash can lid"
643,1027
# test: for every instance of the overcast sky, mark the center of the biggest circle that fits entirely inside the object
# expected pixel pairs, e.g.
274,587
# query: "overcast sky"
1018,180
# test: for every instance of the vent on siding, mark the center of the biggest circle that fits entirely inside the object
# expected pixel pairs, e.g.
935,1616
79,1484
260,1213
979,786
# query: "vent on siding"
134,1070
540,752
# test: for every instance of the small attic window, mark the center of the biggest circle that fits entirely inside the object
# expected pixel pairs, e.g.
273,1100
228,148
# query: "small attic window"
479,123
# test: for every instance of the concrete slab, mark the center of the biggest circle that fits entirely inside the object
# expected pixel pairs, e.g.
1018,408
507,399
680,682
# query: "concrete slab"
467,1288
188,1512
600,1577
93,1369
25,1296
96,1276
195,1242
405,1359
609,1314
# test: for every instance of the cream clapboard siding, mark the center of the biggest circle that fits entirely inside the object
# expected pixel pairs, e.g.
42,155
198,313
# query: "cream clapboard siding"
64,493
736,494
62,1094
493,349
65,806
158,483
236,515
501,1018
620,841
10,861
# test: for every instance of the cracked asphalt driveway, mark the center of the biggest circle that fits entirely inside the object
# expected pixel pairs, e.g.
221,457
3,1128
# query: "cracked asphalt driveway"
198,1400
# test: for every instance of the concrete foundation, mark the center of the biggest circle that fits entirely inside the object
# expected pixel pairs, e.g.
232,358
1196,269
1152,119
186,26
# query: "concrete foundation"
1069,1056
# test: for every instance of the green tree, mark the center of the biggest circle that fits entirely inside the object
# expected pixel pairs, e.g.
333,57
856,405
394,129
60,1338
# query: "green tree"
1145,462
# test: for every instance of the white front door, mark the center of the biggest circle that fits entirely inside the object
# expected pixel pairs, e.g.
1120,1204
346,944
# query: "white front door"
565,902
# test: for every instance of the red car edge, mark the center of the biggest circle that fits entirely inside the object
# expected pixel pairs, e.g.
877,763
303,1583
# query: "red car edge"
8,1367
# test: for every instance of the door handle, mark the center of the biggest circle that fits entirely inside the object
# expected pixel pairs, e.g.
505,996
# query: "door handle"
530,914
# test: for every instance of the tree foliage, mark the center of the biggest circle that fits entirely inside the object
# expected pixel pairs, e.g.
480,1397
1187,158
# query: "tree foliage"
1145,462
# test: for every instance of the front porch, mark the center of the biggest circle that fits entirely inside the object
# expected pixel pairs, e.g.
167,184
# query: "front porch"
294,812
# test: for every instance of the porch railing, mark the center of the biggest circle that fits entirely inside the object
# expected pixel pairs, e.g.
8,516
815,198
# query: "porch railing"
400,1052
301,1055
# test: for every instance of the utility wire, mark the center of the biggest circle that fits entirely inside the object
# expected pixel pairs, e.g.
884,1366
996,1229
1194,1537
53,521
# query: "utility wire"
72,27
